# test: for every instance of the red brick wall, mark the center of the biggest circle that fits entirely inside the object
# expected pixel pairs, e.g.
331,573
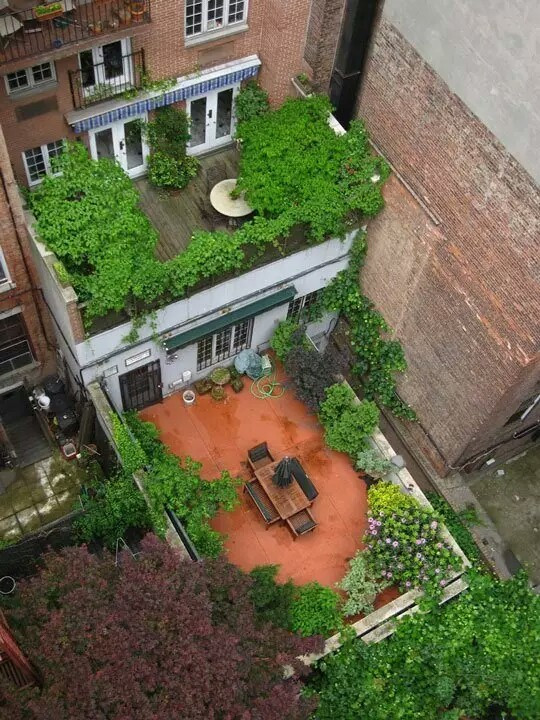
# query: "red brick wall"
25,293
463,296
277,33
322,37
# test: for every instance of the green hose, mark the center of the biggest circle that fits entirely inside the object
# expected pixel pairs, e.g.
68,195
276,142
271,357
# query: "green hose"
267,386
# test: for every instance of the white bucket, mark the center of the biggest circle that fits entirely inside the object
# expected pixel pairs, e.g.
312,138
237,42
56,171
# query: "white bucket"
188,397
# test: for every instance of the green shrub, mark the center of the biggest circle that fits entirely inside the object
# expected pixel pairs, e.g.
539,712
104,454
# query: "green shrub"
272,600
347,423
360,587
477,652
113,507
315,610
372,462
283,339
457,524
175,483
168,172
250,102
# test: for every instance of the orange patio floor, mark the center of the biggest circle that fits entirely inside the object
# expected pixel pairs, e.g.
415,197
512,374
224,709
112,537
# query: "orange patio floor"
219,434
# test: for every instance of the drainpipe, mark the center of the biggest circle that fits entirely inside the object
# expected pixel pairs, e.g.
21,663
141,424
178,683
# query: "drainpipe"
359,22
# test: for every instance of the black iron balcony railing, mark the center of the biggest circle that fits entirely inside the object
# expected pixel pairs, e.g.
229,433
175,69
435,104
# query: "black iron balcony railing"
117,75
34,29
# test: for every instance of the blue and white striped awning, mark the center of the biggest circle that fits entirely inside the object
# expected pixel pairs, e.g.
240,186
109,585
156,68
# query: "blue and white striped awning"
187,90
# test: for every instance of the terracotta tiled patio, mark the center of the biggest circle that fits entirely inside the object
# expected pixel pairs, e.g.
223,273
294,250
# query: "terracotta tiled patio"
219,436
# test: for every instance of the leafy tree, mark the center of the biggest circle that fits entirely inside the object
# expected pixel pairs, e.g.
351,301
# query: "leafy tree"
479,651
156,637
347,423
251,101
315,610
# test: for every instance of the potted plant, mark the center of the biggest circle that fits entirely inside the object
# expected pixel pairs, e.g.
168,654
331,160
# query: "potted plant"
220,376
218,393
48,11
203,386
373,465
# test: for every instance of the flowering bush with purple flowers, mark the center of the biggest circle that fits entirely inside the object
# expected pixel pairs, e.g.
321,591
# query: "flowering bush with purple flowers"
404,542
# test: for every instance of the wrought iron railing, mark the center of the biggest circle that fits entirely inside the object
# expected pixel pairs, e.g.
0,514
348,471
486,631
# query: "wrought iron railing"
50,26
97,82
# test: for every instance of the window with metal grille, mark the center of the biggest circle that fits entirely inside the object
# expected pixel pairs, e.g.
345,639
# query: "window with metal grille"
299,306
207,15
30,77
37,161
224,344
15,351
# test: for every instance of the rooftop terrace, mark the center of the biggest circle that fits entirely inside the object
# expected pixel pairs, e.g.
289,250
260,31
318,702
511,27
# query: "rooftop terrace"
176,215
219,436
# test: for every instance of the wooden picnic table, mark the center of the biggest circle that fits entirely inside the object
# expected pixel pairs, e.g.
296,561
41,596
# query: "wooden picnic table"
287,500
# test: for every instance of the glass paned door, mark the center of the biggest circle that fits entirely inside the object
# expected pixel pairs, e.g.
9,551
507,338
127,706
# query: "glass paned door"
122,141
212,120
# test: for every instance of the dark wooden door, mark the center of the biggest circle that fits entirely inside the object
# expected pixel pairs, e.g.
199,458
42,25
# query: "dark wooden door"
141,387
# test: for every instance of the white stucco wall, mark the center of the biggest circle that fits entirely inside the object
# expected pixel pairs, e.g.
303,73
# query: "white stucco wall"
308,270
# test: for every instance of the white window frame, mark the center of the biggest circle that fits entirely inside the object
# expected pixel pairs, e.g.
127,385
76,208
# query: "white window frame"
5,282
233,346
31,82
205,29
123,81
46,159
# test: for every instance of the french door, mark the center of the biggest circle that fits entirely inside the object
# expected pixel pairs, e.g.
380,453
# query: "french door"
124,142
141,387
212,119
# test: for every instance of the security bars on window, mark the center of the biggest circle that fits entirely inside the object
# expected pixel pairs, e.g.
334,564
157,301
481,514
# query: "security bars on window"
207,15
299,307
15,350
224,344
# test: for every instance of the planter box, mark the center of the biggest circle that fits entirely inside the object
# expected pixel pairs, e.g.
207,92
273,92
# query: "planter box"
47,14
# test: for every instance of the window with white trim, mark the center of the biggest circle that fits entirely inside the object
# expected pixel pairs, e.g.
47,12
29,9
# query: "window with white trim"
37,161
4,274
30,77
207,15
224,344
15,350
299,306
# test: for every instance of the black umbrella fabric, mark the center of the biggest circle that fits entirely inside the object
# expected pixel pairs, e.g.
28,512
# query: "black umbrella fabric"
283,474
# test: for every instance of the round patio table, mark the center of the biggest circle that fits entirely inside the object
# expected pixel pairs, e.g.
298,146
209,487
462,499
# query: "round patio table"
220,197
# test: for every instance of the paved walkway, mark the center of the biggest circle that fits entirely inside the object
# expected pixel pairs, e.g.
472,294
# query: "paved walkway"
40,494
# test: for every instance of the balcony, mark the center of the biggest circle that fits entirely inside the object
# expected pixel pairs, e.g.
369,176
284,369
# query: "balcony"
29,29
117,74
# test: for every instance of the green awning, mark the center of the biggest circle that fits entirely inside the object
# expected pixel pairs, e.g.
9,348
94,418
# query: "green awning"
231,318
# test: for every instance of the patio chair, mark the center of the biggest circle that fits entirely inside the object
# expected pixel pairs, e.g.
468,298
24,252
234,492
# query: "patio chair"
310,491
257,493
259,456
301,523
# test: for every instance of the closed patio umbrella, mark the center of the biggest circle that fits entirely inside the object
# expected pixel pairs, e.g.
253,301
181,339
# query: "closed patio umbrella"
283,474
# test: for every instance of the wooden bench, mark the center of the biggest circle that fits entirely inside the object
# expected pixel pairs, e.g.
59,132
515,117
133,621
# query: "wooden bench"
301,523
264,505
310,491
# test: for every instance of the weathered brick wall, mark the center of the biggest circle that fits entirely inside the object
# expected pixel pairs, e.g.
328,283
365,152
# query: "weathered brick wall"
25,293
463,296
322,37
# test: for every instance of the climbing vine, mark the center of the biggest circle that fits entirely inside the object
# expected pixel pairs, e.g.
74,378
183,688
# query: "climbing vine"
378,357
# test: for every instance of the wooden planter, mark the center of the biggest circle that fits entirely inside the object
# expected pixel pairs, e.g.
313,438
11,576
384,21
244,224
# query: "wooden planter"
48,12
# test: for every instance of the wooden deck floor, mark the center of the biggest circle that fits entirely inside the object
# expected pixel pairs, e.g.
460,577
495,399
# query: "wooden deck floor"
176,215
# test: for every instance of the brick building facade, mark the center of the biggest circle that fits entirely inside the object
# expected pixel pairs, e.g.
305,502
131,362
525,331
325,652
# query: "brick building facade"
27,348
453,258
68,65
